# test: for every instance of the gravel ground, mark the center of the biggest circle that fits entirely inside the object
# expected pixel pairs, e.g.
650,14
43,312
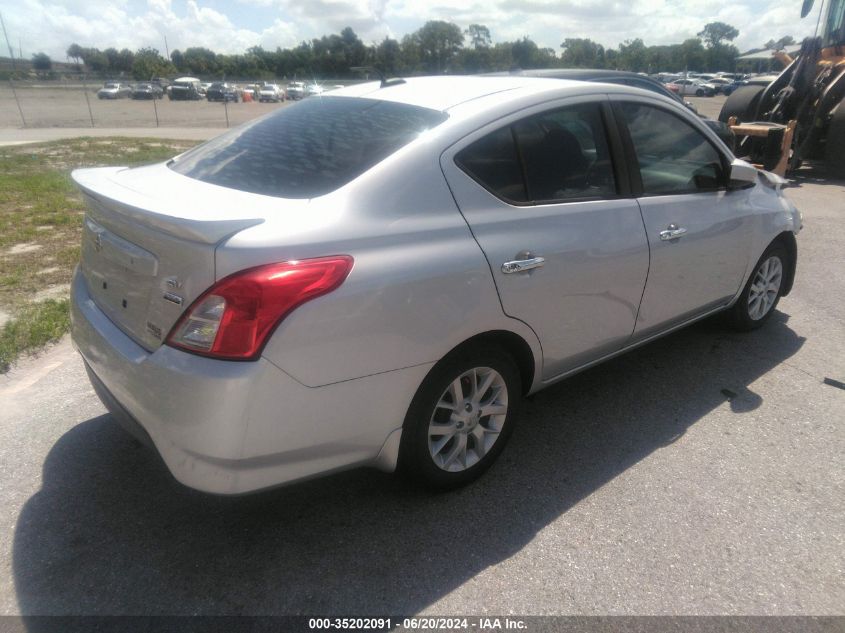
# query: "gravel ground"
702,474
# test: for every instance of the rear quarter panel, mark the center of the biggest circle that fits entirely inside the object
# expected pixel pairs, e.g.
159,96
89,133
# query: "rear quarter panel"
419,287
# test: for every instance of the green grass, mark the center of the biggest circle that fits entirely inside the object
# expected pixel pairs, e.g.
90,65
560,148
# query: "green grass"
41,228
35,326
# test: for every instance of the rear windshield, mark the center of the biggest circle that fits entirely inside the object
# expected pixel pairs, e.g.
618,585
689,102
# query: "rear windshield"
308,149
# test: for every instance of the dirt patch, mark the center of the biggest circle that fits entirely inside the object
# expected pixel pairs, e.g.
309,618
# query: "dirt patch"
22,249
59,291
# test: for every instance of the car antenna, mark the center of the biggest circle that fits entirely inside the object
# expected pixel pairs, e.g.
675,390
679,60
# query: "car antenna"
385,82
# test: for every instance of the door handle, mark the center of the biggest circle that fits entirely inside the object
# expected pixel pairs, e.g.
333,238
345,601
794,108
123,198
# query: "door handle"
672,232
522,265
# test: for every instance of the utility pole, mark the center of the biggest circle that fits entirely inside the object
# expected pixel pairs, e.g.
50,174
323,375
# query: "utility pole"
166,47
8,43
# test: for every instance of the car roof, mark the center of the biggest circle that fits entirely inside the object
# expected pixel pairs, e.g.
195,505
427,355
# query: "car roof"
579,74
596,74
446,92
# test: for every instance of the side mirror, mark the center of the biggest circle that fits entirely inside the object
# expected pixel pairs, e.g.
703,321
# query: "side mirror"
742,175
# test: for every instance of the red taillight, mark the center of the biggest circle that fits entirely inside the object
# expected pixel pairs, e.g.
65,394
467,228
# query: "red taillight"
234,317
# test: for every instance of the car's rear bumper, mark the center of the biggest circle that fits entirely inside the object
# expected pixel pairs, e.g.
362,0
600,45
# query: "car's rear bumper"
233,427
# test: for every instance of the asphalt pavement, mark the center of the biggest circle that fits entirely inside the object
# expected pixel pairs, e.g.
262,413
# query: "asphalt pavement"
702,474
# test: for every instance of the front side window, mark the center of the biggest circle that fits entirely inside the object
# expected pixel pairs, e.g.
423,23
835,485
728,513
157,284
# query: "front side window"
673,156
308,149
557,155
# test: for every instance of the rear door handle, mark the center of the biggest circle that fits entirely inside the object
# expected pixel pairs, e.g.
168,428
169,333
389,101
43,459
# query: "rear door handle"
672,232
522,265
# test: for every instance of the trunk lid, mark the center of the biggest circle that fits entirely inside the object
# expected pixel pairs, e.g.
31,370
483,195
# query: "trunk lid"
149,240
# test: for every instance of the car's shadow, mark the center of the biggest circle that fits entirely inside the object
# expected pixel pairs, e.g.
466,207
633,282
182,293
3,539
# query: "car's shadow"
814,173
110,532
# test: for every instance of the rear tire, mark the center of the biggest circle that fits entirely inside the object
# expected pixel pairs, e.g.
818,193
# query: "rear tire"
762,291
447,440
834,154
742,104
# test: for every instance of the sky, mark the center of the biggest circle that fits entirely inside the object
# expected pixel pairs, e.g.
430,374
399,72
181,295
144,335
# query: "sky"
232,26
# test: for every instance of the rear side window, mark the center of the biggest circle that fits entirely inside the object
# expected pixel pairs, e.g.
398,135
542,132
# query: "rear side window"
553,156
673,156
308,149
493,162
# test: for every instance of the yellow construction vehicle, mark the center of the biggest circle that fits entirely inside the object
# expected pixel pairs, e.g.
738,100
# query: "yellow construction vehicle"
801,114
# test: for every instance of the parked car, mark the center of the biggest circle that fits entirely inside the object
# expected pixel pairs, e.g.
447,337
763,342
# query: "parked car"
379,276
624,78
719,84
733,85
296,90
147,91
114,90
250,91
732,76
667,78
222,91
694,87
185,89
271,93
314,89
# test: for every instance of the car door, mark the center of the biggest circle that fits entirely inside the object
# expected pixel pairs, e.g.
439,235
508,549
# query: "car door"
551,212
698,230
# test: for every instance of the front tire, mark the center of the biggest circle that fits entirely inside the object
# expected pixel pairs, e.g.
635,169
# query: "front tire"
763,290
460,418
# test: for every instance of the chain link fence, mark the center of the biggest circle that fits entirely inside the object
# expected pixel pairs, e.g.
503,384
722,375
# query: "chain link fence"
75,104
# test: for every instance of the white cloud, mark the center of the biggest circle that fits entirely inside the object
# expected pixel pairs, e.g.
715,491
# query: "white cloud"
52,25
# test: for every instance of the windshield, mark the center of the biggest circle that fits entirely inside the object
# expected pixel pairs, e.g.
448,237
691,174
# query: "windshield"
308,149
834,31
111,85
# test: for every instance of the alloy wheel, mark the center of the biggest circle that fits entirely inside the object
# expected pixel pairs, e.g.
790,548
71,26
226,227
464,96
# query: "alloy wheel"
468,419
765,288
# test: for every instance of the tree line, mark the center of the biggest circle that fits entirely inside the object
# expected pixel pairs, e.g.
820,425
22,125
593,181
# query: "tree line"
437,47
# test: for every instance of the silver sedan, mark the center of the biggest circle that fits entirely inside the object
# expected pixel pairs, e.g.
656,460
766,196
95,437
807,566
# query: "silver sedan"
379,276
